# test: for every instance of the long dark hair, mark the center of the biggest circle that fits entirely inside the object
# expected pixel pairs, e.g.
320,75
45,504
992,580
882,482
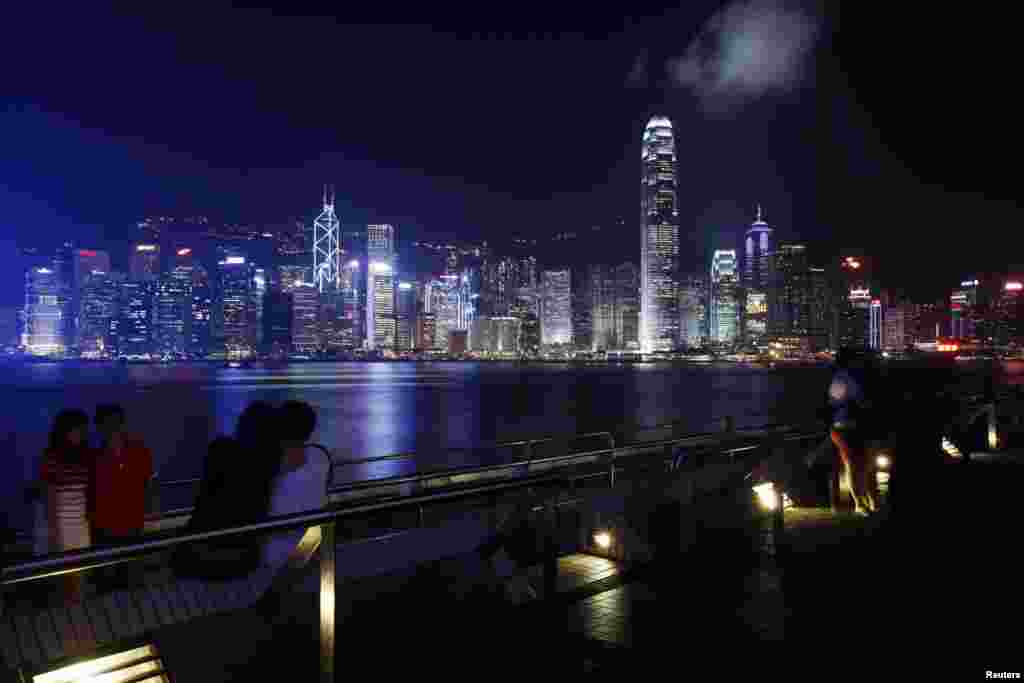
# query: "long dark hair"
66,422
257,435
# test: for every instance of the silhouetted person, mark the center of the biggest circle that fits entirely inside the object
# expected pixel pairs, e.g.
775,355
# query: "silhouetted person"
238,475
851,426
122,471
65,471
301,483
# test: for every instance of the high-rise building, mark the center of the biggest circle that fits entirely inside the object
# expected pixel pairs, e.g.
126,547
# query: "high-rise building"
798,301
724,299
64,267
659,247
351,288
236,283
288,276
380,292
582,302
200,336
257,293
756,278
854,299
693,303
556,307
172,309
84,263
426,327
964,310
305,317
327,254
145,262
135,319
496,335
406,317
895,337
601,294
1010,314
627,306
525,309
43,327
277,321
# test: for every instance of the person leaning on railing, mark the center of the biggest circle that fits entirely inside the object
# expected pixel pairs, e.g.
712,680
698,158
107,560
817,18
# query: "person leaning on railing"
236,487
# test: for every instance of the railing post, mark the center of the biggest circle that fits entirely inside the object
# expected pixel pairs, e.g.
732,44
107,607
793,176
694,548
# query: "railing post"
728,424
328,601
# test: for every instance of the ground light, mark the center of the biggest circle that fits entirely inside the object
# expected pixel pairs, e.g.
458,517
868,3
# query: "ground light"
767,498
882,462
603,540
138,665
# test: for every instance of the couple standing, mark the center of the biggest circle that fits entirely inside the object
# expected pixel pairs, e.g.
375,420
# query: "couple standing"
93,495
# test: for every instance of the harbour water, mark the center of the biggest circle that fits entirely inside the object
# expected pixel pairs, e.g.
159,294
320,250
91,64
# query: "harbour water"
372,409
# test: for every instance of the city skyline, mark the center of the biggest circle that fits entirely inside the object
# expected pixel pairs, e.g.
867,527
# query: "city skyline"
833,157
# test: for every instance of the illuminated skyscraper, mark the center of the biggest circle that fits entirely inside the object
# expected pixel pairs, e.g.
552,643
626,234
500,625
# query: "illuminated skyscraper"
627,306
135,319
172,309
305,317
145,262
693,304
756,267
406,318
659,247
724,303
43,333
84,263
380,292
99,307
236,281
327,246
556,307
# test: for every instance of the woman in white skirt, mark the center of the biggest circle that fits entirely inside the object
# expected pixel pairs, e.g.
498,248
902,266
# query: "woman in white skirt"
65,472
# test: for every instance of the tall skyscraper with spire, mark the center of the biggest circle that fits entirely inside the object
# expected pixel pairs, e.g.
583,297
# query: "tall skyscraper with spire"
659,246
756,277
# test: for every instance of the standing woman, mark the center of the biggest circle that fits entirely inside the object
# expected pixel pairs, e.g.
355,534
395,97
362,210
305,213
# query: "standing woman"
65,472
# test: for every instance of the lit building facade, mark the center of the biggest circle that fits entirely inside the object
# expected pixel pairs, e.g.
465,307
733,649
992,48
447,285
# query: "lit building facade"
1010,314
895,337
693,304
380,291
172,299
963,309
405,331
627,306
236,282
756,278
145,262
200,334
556,308
724,299
305,317
496,335
135,319
100,294
659,246
84,263
43,332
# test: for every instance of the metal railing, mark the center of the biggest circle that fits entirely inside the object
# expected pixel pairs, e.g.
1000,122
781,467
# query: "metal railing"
328,518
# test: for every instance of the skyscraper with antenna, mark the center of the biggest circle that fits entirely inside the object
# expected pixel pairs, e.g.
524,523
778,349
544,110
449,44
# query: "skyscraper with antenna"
327,246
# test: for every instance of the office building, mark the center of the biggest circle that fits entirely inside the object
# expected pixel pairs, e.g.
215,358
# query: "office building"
756,279
134,328
556,308
659,249
380,291
172,308
352,301
724,298
145,262
964,310
600,293
582,305
426,327
627,306
693,304
236,283
44,312
305,318
200,334
1009,329
499,336
895,337
85,262
277,322
406,316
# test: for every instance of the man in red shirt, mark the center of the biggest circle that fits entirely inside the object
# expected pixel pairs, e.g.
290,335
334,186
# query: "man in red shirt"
121,474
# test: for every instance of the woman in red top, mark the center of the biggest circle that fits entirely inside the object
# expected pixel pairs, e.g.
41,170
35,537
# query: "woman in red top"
65,471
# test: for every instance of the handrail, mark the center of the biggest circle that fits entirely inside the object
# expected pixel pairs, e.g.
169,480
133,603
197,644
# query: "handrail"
80,560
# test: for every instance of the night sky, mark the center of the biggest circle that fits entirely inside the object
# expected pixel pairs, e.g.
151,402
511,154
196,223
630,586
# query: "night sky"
895,133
